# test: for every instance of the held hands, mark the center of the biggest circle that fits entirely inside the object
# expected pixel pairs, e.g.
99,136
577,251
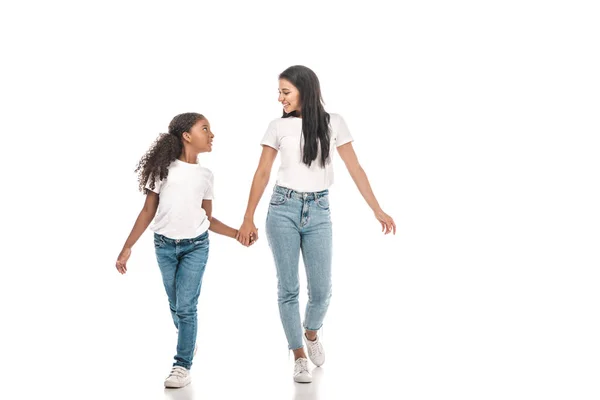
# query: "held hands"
247,234
387,223
121,263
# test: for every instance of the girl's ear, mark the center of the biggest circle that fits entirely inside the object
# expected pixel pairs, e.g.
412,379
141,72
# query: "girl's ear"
187,136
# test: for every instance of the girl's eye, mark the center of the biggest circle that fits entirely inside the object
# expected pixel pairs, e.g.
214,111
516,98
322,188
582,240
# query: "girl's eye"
206,129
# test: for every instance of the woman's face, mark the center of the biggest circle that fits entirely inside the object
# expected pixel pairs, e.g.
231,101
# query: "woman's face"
289,97
201,137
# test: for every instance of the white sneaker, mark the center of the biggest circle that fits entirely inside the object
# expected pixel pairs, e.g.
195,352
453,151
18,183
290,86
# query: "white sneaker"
178,378
315,351
301,373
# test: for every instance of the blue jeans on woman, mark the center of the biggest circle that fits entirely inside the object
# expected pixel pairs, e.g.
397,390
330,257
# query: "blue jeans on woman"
300,222
182,263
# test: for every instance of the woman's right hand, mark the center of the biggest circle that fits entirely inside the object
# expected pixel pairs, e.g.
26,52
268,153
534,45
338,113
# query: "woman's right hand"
247,234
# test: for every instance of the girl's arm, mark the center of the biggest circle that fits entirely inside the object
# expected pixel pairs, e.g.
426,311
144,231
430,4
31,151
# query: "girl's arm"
248,231
217,226
359,177
141,224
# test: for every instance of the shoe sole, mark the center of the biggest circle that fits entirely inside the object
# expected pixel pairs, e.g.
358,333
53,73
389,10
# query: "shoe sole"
175,385
306,380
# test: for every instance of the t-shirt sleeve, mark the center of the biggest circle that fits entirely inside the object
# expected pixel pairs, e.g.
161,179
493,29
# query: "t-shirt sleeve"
343,135
157,186
271,138
208,195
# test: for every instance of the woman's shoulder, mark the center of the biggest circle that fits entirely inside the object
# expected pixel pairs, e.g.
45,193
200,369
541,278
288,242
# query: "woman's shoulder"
282,120
335,117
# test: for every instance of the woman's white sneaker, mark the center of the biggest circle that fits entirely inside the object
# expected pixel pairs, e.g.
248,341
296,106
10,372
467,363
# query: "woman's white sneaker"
178,378
316,353
301,373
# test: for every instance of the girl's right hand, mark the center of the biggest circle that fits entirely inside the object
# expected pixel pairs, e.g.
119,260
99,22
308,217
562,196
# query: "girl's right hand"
122,260
245,232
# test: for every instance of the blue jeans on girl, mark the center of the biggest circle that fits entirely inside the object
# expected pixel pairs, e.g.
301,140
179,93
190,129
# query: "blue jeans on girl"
182,263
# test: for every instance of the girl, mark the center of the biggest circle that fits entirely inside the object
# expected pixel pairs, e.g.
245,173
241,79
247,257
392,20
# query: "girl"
179,193
299,217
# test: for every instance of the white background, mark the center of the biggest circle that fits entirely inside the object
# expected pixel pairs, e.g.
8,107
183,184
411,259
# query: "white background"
476,122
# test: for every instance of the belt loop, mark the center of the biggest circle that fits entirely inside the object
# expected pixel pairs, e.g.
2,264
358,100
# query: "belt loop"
289,193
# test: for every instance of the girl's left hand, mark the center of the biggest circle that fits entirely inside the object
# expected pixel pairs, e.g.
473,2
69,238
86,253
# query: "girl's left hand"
122,260
387,223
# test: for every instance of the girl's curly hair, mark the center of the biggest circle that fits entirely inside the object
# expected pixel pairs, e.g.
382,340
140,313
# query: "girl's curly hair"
153,166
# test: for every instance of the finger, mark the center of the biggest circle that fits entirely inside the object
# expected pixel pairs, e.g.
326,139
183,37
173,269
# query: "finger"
382,226
394,226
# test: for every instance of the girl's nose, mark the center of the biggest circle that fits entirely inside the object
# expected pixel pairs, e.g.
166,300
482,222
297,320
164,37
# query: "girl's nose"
280,99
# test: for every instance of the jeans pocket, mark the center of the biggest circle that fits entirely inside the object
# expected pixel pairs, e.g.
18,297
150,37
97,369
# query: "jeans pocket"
323,202
201,241
277,199
159,242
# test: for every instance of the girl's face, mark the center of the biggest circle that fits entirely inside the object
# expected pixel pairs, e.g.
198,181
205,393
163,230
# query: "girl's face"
200,137
289,96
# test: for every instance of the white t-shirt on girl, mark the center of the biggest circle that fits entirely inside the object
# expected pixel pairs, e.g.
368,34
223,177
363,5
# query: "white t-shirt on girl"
180,214
285,135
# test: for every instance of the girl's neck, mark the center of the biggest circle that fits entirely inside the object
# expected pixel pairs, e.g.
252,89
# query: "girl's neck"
188,157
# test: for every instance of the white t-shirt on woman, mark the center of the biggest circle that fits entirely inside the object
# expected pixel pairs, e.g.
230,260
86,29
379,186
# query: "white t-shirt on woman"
285,135
180,214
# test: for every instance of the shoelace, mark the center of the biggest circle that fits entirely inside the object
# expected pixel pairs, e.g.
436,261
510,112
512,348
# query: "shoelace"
178,372
314,346
301,365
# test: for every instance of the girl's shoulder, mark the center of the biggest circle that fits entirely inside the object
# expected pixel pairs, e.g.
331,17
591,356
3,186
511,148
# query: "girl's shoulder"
205,170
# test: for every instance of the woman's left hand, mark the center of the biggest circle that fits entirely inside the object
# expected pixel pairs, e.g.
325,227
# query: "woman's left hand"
387,223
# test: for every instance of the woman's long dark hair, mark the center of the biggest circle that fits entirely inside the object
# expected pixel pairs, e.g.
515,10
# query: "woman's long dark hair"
315,121
153,165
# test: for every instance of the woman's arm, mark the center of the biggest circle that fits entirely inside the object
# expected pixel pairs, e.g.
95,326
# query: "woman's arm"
217,226
141,224
261,178
359,177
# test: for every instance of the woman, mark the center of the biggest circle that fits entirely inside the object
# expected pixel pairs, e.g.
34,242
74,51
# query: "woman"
298,219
